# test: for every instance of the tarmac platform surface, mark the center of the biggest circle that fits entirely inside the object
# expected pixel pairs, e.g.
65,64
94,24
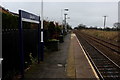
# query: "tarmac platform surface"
70,61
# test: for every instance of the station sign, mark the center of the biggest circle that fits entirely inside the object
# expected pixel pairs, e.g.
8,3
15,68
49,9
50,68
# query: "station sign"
29,17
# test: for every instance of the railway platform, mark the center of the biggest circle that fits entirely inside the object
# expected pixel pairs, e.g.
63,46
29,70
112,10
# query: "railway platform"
69,62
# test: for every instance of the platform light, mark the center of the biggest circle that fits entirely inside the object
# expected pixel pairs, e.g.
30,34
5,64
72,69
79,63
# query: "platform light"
66,9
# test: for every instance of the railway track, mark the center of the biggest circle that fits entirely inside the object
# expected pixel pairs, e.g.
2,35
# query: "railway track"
113,47
111,50
104,66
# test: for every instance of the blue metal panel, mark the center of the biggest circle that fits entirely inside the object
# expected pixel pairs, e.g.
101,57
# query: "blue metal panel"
21,43
30,16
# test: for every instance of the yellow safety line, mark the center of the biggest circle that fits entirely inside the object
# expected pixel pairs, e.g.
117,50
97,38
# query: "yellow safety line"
88,59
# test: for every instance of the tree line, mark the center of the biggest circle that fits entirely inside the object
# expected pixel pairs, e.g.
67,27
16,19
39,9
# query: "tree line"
116,26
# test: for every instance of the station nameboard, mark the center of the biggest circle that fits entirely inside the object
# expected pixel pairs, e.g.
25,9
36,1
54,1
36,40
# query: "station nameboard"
29,17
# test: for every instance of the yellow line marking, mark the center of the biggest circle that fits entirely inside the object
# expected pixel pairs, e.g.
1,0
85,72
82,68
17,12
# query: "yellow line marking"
88,59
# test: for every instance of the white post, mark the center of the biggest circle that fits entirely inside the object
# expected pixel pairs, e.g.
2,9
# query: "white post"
42,41
42,21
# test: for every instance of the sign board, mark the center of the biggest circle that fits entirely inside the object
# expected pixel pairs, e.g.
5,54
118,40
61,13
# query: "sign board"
27,17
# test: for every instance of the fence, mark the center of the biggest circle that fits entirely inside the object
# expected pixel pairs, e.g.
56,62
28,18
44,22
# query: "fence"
10,50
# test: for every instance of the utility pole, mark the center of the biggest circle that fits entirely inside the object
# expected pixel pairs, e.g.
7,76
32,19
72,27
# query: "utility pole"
65,22
104,21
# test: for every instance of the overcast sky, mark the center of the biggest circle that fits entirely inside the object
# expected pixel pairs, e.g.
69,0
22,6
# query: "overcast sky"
88,13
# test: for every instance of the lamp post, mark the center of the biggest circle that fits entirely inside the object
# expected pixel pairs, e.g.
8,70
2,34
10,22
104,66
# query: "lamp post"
65,17
104,21
65,21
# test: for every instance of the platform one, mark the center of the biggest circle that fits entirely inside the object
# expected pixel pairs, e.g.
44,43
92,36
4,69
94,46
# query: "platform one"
69,62
79,65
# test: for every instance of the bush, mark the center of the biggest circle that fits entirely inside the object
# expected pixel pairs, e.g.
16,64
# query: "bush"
9,21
